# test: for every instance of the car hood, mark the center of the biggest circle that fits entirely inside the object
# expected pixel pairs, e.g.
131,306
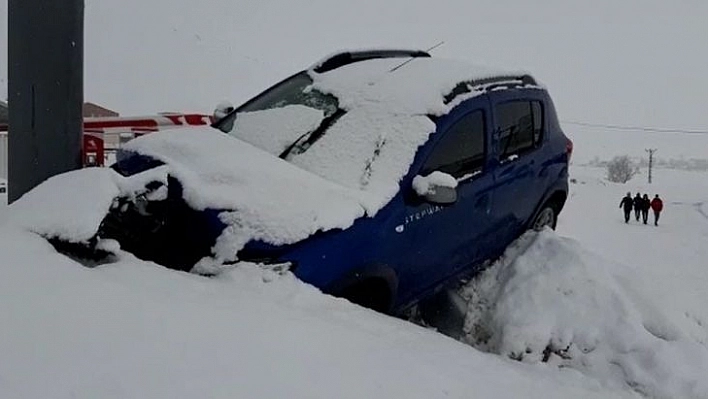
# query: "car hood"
261,197
264,198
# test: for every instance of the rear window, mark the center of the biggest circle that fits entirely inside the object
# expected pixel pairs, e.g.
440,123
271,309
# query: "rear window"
520,126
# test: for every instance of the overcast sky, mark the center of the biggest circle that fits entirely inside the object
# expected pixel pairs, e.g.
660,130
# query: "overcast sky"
604,61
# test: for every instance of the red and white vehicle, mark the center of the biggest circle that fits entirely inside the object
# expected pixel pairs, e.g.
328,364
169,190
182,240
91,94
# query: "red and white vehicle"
104,135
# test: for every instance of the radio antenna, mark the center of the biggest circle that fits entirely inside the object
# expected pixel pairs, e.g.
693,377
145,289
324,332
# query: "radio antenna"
412,58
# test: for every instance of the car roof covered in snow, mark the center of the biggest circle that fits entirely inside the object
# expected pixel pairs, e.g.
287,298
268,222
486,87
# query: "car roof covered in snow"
409,81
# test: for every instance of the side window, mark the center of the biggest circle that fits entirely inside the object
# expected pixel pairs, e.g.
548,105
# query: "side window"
461,149
520,126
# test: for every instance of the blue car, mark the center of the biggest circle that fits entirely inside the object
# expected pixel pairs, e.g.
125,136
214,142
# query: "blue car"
401,173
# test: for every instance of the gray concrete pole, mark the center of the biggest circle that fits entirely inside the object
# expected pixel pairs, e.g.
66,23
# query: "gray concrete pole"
45,90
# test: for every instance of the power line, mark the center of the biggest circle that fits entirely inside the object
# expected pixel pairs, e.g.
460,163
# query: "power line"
636,128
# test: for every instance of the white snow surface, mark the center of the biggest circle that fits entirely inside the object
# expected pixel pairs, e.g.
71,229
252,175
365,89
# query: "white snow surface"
134,329
368,149
69,206
628,323
561,304
73,204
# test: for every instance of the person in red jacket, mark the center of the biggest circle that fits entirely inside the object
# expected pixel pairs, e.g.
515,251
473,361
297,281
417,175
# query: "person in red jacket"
657,205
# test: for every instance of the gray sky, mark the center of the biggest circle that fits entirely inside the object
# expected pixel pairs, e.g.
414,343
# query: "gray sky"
620,62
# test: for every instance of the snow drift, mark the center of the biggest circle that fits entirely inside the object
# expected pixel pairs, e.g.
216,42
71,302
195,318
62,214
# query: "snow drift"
132,329
550,300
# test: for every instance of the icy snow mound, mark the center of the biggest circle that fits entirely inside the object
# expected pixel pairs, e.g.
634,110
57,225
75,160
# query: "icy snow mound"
134,330
69,206
570,308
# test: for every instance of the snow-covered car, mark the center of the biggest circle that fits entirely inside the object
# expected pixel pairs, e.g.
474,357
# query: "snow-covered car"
378,176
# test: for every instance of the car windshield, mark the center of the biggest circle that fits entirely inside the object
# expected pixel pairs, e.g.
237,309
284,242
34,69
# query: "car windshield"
291,98
296,90
363,148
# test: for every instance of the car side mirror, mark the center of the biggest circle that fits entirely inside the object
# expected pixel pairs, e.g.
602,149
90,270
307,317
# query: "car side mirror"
436,188
223,109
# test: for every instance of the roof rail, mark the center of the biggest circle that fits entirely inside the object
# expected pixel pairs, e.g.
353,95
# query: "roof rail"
341,59
489,83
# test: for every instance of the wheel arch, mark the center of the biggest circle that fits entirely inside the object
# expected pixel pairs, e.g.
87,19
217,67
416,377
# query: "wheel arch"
376,277
557,196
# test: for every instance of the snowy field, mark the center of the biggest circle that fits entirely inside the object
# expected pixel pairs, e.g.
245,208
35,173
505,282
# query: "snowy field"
598,309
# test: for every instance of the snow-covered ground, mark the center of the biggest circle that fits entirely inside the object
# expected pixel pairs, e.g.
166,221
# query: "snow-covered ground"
598,309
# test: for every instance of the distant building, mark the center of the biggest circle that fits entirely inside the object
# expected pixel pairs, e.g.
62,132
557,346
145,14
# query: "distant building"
89,110
92,110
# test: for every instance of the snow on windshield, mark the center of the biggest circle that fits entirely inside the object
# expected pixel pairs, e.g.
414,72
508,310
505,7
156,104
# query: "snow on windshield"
69,206
275,129
367,149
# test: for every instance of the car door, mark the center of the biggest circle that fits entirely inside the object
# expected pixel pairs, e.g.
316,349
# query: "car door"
442,239
518,140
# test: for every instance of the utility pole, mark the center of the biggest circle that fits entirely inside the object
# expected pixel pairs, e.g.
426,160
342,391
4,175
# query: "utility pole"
651,152
45,90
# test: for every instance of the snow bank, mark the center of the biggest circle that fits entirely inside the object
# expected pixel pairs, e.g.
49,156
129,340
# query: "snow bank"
561,304
69,206
135,330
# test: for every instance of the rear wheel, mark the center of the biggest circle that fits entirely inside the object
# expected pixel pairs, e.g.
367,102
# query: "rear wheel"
546,217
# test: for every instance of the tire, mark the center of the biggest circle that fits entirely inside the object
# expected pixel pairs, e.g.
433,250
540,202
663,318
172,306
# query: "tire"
547,216
374,294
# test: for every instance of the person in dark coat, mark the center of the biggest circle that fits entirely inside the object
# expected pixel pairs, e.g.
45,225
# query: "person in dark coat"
638,203
657,205
626,204
646,204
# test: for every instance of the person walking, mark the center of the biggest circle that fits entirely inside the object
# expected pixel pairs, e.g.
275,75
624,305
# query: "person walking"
657,205
646,204
638,203
626,204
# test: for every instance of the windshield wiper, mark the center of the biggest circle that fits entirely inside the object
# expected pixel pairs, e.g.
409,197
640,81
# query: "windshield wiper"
306,140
